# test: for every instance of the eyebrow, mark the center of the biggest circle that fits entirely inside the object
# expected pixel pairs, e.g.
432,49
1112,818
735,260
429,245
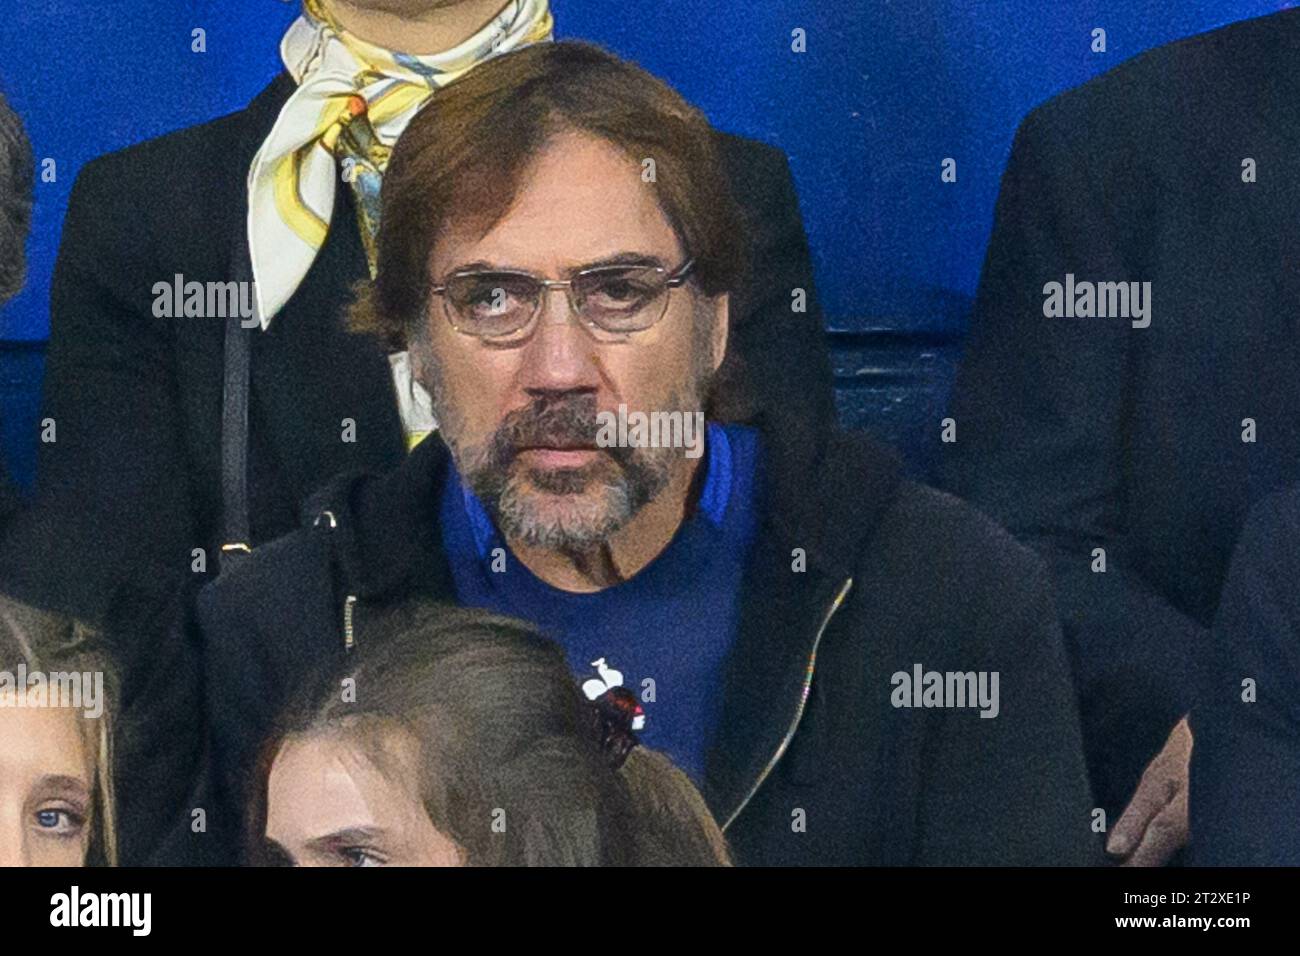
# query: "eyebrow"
61,785
64,782
617,259
346,837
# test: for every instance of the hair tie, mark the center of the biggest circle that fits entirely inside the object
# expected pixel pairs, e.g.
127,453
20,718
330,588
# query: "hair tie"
616,713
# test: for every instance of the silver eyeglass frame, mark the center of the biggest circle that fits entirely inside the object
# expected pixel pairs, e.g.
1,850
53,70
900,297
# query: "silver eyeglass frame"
674,279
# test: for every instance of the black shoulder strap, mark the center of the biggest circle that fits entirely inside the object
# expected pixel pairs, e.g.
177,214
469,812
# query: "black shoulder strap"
236,539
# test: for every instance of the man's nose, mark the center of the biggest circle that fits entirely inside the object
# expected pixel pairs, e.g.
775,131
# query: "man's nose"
560,355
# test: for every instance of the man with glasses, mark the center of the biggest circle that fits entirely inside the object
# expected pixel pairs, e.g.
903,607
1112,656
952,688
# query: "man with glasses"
138,497
291,184
779,608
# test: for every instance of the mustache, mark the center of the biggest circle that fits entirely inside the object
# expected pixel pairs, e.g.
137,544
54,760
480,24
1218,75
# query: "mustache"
550,421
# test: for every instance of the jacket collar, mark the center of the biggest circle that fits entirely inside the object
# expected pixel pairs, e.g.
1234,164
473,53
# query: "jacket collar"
823,500
824,490
386,533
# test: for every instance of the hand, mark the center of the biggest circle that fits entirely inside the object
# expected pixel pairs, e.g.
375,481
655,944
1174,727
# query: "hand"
1154,825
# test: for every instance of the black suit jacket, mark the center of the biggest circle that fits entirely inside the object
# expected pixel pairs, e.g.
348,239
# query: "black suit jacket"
1245,793
1080,434
10,502
130,486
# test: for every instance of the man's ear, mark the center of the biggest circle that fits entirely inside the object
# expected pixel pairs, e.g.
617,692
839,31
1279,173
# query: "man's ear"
721,306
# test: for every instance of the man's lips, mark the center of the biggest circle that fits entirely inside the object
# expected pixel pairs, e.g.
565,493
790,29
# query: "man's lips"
556,456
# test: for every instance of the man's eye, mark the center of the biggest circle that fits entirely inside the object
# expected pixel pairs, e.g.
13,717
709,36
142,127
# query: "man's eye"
488,297
617,291
491,301
620,289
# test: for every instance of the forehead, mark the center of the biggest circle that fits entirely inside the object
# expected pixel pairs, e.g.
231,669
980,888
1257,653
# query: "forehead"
581,200
320,784
44,741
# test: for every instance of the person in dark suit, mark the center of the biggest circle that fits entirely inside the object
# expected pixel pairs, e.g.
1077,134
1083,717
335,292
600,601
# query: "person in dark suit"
1125,432
133,481
1245,792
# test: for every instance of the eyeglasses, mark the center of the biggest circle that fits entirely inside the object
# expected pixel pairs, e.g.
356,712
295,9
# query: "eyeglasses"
502,307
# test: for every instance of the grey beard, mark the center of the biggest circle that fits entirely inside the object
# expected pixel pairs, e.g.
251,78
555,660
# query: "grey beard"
577,526
567,509
575,509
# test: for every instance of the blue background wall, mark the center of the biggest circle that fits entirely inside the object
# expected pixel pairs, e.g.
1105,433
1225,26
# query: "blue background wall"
886,90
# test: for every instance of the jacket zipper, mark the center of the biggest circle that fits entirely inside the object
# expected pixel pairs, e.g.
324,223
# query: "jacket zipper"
803,702
348,605
349,637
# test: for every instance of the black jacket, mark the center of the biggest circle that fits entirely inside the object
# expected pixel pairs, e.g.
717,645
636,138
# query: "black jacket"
131,484
897,575
1083,433
10,502
1245,792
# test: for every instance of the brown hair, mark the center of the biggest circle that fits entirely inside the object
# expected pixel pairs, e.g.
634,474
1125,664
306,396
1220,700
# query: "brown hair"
464,154
501,725
48,642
